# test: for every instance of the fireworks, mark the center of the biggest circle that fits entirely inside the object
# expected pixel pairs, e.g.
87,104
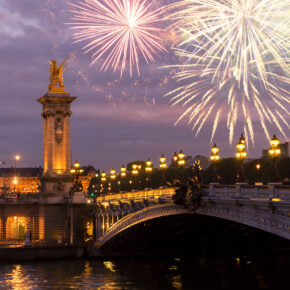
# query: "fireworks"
118,31
236,60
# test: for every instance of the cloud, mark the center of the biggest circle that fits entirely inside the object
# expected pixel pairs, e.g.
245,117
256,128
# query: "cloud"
13,24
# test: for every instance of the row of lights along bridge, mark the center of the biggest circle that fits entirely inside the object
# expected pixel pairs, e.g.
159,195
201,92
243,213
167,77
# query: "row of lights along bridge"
113,180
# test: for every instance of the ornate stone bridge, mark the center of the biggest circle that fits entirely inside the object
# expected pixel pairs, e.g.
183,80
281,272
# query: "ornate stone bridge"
263,207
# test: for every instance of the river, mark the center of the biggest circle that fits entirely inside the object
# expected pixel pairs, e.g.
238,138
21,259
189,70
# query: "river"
149,273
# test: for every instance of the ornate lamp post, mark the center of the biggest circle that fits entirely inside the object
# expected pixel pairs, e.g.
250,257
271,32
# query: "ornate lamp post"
174,162
15,181
76,170
103,180
181,163
103,176
113,177
175,157
135,172
148,169
163,167
214,158
16,158
275,153
241,156
123,174
258,168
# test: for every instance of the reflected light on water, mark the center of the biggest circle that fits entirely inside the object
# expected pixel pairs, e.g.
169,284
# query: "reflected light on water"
158,273
110,266
176,284
17,278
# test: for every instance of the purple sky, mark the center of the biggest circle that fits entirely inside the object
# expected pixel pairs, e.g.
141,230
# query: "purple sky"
113,122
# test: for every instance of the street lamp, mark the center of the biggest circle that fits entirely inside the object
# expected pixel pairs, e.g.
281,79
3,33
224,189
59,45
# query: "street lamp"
16,158
113,174
149,166
123,175
135,172
181,162
76,170
241,155
148,169
103,181
135,169
113,177
103,176
15,181
275,153
258,168
163,167
175,157
214,158
123,172
174,163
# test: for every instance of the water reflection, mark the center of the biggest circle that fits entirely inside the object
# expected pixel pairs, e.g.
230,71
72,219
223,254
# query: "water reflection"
19,277
166,273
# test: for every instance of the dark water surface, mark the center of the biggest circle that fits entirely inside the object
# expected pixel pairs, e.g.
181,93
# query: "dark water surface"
150,273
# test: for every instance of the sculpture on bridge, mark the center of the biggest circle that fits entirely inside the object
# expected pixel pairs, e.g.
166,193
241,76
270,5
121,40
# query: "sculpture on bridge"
77,186
56,77
190,194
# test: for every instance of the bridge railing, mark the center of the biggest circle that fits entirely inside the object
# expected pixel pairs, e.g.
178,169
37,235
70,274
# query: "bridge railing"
269,191
244,191
151,194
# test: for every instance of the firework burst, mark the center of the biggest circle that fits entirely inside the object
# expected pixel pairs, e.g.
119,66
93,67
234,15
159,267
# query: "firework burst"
235,57
118,31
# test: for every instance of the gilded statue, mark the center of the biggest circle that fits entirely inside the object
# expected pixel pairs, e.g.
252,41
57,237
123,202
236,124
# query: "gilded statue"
56,77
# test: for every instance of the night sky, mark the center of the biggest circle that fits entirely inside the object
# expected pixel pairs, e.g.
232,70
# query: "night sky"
114,121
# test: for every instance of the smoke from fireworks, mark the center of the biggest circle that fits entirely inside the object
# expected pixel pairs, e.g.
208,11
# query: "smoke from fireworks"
236,58
119,31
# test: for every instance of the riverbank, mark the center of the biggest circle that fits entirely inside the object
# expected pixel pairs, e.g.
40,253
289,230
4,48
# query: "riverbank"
29,253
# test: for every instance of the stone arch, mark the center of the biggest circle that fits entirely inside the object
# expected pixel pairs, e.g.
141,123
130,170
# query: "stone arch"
16,227
262,220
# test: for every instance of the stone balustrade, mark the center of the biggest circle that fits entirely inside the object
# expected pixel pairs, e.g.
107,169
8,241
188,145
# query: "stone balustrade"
271,191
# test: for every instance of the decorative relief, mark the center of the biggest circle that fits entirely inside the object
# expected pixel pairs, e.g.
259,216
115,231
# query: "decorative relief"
59,187
58,129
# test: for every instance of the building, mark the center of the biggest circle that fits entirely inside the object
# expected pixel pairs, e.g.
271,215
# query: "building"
28,180
20,180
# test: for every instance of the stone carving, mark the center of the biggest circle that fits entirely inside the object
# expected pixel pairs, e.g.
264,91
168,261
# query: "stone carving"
59,187
58,129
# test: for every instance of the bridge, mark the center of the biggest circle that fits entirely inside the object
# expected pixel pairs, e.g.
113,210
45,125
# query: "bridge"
266,208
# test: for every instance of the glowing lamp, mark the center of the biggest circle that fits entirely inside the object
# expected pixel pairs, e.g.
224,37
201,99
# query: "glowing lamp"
181,155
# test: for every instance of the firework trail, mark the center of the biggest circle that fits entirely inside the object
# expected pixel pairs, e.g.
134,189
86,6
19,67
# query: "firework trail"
208,100
118,31
235,59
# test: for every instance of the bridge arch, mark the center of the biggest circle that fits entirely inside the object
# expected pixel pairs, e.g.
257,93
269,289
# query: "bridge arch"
250,217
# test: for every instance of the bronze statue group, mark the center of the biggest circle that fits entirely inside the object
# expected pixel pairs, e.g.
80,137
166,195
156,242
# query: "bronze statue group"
189,192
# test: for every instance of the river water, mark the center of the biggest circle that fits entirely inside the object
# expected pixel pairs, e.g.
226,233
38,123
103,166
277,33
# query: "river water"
149,273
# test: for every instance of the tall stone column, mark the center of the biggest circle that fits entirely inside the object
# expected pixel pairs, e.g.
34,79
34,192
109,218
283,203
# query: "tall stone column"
56,133
56,113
